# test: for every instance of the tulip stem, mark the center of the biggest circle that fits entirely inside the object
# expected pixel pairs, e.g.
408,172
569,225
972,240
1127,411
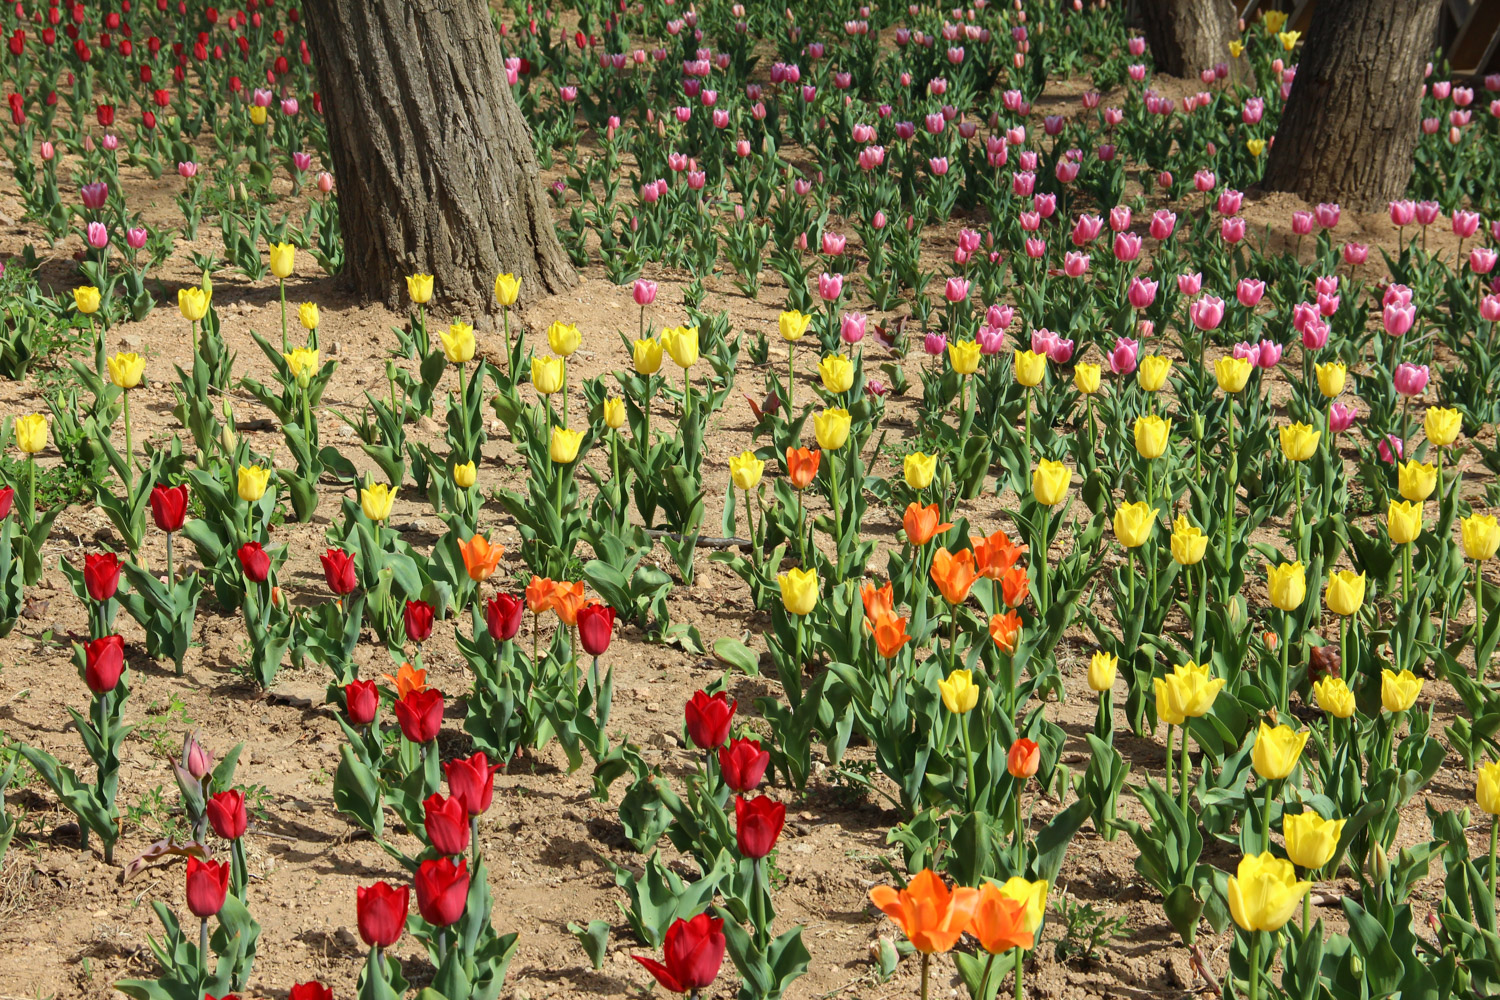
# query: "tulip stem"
1406,572
282,283
1028,428
1130,577
129,444
1480,668
1494,842
463,411
833,490
973,788
1265,818
1306,910
505,320
1234,466
1182,770
984,980
203,944
1020,973
1170,734
1344,644
1286,644
1301,521
926,968
1254,991
474,841
791,360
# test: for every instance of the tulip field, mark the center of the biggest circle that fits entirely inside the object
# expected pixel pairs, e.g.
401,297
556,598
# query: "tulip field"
958,538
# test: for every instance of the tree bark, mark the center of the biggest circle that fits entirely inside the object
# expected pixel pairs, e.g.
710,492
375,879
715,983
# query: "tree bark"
1351,119
1187,36
434,161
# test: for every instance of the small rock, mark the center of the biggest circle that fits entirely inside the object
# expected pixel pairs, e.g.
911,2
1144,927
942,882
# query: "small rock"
130,342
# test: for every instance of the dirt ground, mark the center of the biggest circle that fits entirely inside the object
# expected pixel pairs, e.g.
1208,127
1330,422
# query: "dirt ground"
69,927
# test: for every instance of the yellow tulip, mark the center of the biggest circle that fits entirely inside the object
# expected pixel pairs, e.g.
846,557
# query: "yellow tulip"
1188,692
960,693
283,259
31,433
1487,788
303,364
126,369
1255,146
563,448
1299,442
1050,481
793,324
1152,374
1189,543
1334,697
1330,378
831,428
1264,892
1102,671
1398,692
799,590
257,114
919,468
837,373
1287,584
1288,39
1152,435
1404,521
251,483
614,413
745,470
193,303
646,356
458,343
465,475
1481,536
964,356
1274,20
1133,523
507,288
1232,373
1310,839
1031,366
307,315
419,288
1033,895
1276,751
1086,378
1235,49
86,299
1442,425
376,501
563,338
547,374
1345,592
681,343
1416,480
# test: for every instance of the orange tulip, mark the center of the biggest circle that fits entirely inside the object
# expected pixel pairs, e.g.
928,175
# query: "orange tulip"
1004,629
954,574
1024,758
932,916
802,466
922,523
890,633
1015,585
567,601
480,557
994,555
999,922
407,680
539,594
878,600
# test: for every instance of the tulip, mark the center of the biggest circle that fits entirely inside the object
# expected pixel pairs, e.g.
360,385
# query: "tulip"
1330,378
1153,373
1311,840
192,303
126,369
361,699
503,616
799,590
1398,692
596,623
837,373
681,343
1049,482
549,374
1276,751
693,951
101,575
919,469
999,922
1263,894
889,632
1030,368
86,300
1024,758
1232,373
932,916
1404,521
1086,378
465,475
251,483
1345,593
508,289
1004,630
458,345
1299,442
104,662
446,823
207,885
380,912
1410,379
226,813
758,824
563,449
31,435
480,557
1416,480
417,617
376,501
471,783
1287,584
645,355
954,574
960,693
169,507
922,524
1442,425
832,428
420,715
1188,692
1133,523
1152,435
1480,535
1122,357
742,763
419,288
708,719
802,466
442,890
1189,543
745,471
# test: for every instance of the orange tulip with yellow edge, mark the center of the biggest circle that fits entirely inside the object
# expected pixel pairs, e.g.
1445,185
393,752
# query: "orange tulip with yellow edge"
480,557
932,916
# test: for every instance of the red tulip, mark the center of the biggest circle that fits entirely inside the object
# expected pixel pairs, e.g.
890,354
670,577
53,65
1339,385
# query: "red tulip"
338,571
381,913
757,824
361,699
255,562
708,719
502,616
442,890
310,991
472,782
169,506
418,615
743,763
693,950
446,823
596,624
226,812
7,497
1023,758
420,714
103,663
207,884
101,575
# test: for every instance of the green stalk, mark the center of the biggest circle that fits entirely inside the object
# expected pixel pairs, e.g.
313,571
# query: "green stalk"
1182,771
1170,734
282,283
1254,991
963,732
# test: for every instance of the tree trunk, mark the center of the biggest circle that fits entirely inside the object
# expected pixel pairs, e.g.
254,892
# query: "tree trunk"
1351,119
435,168
1187,36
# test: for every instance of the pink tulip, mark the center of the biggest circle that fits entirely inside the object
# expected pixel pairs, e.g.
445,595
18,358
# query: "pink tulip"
1326,284
1302,223
1000,316
135,238
1410,379
1031,221
1314,334
94,195
1207,313
1045,204
98,235
1482,260
1396,294
876,388
301,162
1232,229
1268,355
1390,449
1328,304
1190,284
1162,224
1066,171
1356,253
1204,180
1036,249
1087,229
1341,418
1489,308
956,290
1427,212
1060,351
833,244
1122,358
1253,111
1042,340
1022,183
830,286
935,344
1302,314
968,239
1327,215
1127,246
1119,218
1164,179
991,339
1075,265
1398,319
852,327
1403,213
643,291
1465,224
1250,291
1230,201
1142,292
